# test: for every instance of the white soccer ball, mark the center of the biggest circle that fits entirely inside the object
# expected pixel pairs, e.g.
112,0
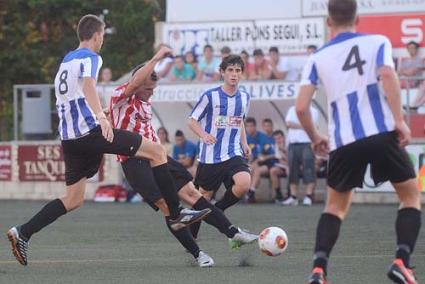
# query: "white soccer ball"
273,241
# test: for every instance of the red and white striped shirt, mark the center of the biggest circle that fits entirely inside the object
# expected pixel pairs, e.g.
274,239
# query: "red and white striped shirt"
131,114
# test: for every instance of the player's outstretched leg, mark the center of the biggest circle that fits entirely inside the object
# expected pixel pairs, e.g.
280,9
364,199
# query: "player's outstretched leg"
337,206
156,154
19,236
407,226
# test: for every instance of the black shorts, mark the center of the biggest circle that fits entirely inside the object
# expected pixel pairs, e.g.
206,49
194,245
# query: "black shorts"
139,175
388,161
211,176
83,155
268,163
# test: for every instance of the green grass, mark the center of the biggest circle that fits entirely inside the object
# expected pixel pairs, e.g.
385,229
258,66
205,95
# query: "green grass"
129,243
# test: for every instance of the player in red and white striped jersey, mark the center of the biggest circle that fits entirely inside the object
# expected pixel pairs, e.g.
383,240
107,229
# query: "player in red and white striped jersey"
134,112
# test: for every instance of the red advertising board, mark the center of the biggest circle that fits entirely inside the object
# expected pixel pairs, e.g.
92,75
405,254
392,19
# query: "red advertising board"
43,163
5,162
400,29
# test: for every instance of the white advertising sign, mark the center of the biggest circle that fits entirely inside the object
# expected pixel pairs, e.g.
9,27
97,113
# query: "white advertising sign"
290,36
267,90
319,7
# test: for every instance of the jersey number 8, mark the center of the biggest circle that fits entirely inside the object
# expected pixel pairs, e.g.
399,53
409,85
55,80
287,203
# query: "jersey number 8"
63,85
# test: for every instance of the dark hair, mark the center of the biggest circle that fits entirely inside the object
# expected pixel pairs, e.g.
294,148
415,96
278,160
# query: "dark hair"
244,52
414,43
208,46
251,120
225,49
88,25
342,12
267,120
274,49
278,132
232,59
258,52
312,46
154,76
166,133
179,133
195,59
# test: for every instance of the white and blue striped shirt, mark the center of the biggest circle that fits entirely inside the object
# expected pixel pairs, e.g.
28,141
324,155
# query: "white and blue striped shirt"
221,116
75,116
347,66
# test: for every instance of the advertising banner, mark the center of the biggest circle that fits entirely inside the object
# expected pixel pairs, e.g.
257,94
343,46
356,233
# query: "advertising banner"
42,163
290,36
400,29
260,90
5,162
320,7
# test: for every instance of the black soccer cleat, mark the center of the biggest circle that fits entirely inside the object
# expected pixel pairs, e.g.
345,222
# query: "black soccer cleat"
19,245
188,217
317,276
399,273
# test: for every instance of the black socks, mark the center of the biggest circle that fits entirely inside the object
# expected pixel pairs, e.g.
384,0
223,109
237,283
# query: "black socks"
168,189
185,238
407,226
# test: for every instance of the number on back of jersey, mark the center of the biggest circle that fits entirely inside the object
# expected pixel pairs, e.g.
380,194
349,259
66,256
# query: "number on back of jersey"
358,63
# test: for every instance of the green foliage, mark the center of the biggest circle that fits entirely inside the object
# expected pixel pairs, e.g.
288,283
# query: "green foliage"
36,34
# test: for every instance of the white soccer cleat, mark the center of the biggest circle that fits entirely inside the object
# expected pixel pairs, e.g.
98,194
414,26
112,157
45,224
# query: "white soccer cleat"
204,260
241,238
290,201
307,201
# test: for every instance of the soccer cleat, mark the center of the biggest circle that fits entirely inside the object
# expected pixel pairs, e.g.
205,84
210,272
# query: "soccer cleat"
204,260
290,201
399,273
307,201
188,217
241,238
317,276
19,245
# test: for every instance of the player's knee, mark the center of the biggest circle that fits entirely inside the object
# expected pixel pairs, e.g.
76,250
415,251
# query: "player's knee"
159,154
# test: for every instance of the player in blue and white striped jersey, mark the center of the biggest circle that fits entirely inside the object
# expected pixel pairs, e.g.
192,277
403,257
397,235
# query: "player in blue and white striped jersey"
366,126
218,120
86,135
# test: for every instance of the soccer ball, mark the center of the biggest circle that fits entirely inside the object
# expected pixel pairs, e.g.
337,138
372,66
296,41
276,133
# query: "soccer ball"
273,241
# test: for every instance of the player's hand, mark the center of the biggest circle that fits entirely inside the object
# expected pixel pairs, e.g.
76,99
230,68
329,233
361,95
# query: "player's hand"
404,134
321,144
106,129
208,139
163,52
247,150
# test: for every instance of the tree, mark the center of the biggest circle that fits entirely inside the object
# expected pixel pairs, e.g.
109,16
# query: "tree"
36,34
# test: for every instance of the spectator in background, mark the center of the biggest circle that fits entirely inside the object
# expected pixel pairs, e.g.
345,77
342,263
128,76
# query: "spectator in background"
208,66
311,49
411,66
261,69
251,136
165,141
279,65
225,51
105,92
184,152
300,157
190,58
163,67
182,71
266,157
248,65
280,168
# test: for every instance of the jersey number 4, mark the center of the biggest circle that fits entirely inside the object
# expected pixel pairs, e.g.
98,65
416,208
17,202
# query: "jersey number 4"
354,55
63,85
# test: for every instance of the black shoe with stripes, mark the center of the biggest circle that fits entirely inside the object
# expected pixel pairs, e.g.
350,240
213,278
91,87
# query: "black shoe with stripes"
19,245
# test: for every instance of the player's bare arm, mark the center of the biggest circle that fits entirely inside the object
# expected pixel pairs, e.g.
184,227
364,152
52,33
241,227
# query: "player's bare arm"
89,90
302,107
244,142
143,73
391,86
197,129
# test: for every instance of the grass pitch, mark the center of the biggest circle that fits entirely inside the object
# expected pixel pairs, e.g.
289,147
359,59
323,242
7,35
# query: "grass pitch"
129,243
